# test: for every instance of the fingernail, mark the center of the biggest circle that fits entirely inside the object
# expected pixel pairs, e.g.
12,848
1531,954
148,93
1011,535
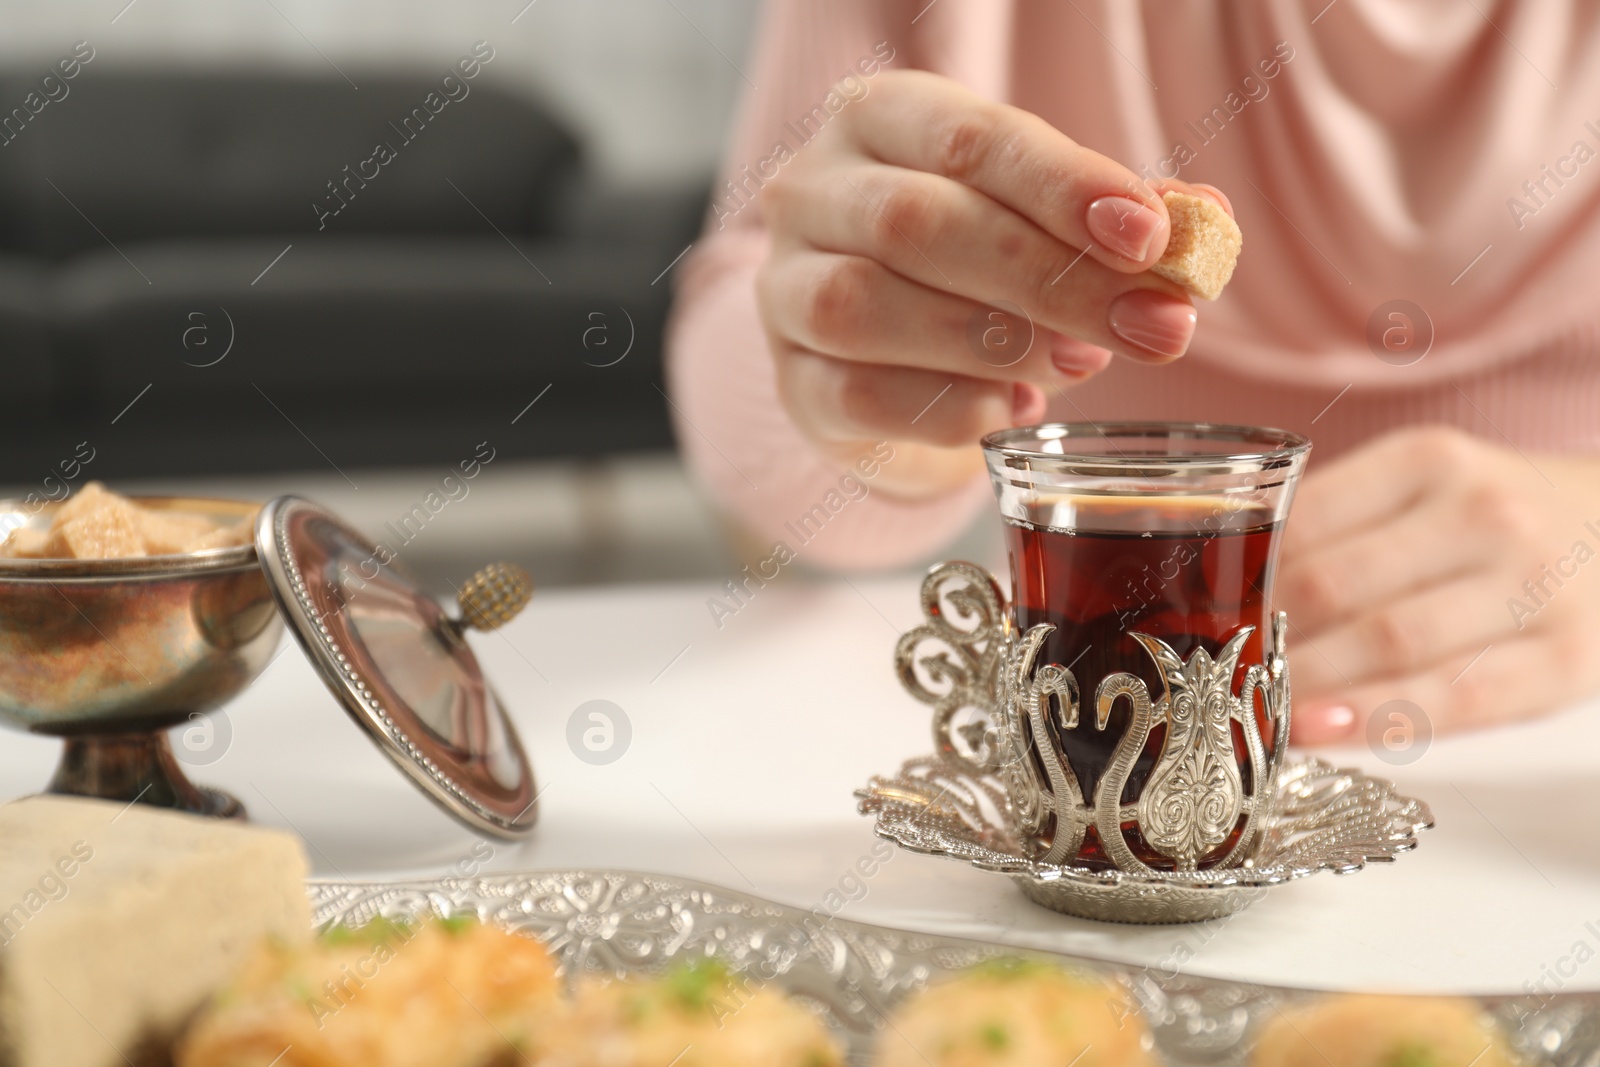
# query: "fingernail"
1323,725
1154,321
1072,356
1213,193
1027,404
1124,227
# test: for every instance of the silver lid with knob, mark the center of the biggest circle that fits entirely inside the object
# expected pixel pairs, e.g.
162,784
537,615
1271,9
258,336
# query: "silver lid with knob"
400,665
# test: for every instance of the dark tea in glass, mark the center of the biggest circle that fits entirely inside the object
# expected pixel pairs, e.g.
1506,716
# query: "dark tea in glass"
1165,530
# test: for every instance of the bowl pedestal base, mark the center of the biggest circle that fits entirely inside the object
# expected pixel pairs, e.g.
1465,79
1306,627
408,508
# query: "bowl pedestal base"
136,767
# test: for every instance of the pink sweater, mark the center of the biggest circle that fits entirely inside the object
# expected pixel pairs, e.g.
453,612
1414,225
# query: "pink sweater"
1433,151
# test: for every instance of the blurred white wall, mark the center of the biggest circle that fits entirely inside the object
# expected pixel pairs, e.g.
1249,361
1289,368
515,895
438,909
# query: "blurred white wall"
650,83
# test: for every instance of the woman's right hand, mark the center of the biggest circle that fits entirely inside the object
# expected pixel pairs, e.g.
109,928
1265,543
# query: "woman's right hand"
917,206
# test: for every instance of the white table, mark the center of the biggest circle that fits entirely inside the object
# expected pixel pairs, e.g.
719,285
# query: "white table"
748,741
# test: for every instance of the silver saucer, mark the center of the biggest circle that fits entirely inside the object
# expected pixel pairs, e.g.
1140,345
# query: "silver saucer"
1325,818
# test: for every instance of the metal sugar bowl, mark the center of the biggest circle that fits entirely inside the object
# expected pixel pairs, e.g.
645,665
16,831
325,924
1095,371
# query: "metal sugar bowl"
110,654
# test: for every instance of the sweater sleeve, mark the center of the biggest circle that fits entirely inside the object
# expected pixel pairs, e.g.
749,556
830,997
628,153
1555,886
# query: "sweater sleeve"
732,429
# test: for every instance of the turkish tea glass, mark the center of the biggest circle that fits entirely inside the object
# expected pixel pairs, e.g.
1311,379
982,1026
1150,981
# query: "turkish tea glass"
1169,530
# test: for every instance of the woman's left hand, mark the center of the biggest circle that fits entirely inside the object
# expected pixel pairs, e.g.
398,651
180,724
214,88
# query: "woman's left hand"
1445,570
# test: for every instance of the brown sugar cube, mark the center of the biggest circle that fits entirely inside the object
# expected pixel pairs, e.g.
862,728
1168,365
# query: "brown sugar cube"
95,523
1203,248
25,543
170,533
112,531
92,497
240,533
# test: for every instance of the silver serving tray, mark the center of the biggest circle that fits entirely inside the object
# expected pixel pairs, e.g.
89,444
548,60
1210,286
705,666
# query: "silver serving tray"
622,923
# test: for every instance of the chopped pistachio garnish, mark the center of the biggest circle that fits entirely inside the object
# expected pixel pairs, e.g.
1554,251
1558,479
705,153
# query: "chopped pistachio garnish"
372,932
1411,1054
338,934
693,984
458,924
994,1036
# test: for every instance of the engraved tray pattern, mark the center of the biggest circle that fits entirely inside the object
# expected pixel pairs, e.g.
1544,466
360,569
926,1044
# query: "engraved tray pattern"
617,922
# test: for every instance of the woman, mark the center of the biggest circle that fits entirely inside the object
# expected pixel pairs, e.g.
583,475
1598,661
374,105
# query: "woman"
1417,186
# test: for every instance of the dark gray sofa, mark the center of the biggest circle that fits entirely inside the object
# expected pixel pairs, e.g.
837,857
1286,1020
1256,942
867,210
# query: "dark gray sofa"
477,268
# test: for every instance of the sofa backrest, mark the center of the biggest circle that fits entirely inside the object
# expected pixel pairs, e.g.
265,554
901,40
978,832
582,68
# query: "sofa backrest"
145,156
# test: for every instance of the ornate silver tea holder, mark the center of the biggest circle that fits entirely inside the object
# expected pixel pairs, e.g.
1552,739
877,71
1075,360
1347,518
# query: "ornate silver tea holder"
1000,793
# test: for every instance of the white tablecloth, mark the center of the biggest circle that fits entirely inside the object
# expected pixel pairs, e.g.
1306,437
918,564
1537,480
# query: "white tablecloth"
748,740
